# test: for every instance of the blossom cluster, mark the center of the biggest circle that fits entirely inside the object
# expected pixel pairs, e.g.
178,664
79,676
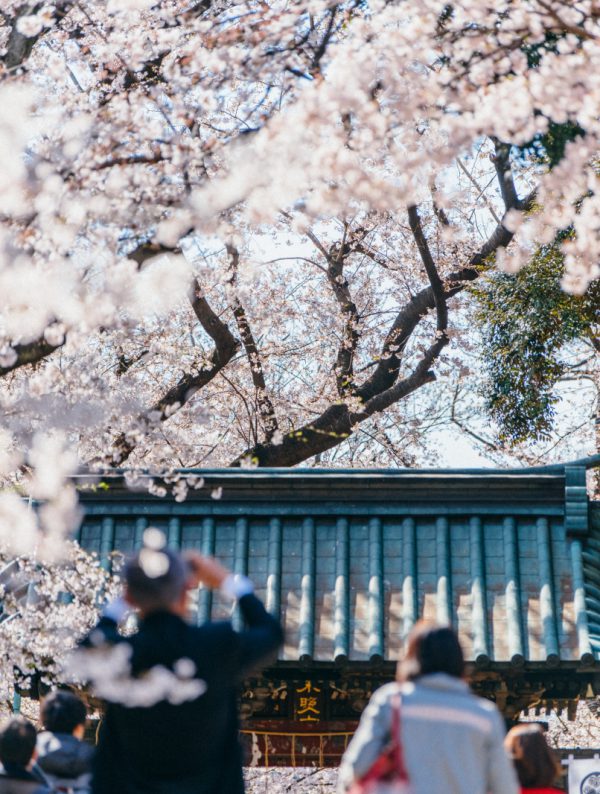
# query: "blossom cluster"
46,610
146,141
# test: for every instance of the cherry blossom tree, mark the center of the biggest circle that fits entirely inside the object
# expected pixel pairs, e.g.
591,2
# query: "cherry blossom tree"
243,233
44,610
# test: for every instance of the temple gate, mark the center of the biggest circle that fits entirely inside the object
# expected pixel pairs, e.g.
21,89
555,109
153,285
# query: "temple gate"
350,559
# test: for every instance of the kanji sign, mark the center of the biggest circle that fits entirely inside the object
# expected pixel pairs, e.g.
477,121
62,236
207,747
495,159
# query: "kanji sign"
308,703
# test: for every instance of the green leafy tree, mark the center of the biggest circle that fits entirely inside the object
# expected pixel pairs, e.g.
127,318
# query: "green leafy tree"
527,320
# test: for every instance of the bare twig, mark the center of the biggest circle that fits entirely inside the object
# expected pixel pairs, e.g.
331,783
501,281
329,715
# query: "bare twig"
477,186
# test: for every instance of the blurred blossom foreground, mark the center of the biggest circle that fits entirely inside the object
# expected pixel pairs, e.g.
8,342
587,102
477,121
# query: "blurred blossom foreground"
300,780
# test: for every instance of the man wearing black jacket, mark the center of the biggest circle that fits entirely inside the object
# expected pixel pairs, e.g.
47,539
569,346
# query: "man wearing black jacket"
174,728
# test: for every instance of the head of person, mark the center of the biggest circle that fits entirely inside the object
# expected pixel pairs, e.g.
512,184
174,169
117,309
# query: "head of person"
64,712
534,761
431,649
17,743
156,580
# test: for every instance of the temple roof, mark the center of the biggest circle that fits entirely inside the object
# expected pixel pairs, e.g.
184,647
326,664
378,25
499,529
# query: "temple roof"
351,559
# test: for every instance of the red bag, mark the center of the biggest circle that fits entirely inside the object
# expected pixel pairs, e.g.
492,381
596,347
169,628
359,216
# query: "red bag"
388,774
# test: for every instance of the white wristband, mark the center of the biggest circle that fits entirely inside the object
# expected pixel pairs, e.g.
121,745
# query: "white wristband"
116,610
235,586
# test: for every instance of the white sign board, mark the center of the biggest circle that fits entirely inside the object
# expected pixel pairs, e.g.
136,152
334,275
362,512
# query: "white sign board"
584,776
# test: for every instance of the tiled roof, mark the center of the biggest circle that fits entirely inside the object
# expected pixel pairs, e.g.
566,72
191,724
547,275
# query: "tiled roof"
350,560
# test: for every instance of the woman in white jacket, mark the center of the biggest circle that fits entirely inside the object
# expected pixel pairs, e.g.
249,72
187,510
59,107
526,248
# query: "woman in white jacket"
452,741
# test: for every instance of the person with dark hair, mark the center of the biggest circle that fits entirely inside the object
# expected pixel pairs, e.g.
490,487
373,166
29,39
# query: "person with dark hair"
172,728
62,756
448,739
536,765
17,754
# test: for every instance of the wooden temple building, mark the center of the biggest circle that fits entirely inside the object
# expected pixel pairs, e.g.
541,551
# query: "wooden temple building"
349,560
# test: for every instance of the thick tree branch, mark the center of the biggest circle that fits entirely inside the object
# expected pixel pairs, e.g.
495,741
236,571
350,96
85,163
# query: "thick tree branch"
381,390
30,353
266,411
439,212
501,160
387,370
19,46
149,249
421,374
226,346
499,238
315,66
327,431
335,258
432,274
344,364
407,319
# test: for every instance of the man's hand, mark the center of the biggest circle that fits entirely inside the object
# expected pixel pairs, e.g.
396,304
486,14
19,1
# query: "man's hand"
205,570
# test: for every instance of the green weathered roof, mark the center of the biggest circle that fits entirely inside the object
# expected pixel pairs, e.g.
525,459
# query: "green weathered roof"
351,559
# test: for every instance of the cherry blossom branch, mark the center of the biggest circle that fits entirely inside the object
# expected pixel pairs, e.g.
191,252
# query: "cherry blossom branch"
387,370
335,258
576,30
20,45
344,364
478,187
30,353
501,160
437,286
226,346
438,211
135,159
266,411
315,66
421,373
381,390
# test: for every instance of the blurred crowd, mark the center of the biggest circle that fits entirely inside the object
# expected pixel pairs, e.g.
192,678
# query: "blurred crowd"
424,732
55,759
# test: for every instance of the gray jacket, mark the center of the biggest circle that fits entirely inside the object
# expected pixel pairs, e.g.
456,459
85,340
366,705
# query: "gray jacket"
65,761
24,783
452,741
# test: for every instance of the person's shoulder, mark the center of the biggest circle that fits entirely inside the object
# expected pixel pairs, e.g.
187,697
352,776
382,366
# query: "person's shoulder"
216,628
25,785
212,634
484,705
484,714
387,692
484,709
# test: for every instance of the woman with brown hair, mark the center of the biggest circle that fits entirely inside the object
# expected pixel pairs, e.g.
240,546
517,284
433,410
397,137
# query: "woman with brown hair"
537,768
444,737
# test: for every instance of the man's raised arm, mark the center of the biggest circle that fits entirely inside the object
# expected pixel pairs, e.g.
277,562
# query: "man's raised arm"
262,635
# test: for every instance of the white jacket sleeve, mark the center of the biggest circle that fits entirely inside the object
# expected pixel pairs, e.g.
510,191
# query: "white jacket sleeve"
501,774
372,735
